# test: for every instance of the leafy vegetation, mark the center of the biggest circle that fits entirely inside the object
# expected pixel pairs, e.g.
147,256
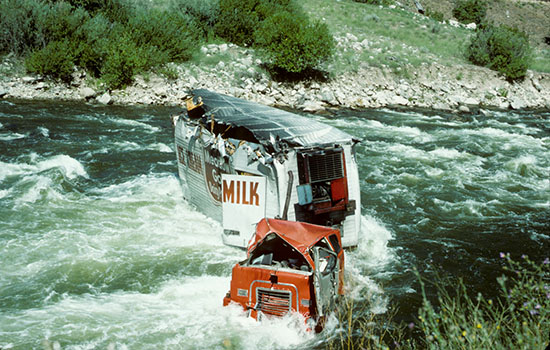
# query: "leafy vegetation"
290,41
503,49
116,39
112,39
519,318
470,11
293,43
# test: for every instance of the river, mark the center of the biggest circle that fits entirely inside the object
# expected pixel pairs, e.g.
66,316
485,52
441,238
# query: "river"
99,250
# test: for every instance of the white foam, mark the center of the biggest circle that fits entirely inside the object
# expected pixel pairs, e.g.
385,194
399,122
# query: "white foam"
4,193
71,167
153,203
371,257
134,123
11,136
126,146
44,131
448,153
183,314
161,147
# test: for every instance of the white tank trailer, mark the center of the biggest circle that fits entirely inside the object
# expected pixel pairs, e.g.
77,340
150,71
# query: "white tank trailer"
239,162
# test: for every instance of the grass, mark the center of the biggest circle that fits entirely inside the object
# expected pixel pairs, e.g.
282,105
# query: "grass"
394,35
397,38
541,60
457,320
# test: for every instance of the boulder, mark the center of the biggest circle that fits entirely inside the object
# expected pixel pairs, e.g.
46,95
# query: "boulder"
87,93
312,106
471,101
400,100
517,103
464,109
28,80
3,92
105,99
328,97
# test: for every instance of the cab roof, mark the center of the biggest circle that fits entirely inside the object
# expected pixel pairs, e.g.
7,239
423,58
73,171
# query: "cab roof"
300,235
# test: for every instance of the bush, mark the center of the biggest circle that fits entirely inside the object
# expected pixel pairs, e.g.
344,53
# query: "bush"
293,43
239,19
203,14
55,60
123,60
468,11
519,319
168,32
435,15
60,21
19,25
501,49
93,38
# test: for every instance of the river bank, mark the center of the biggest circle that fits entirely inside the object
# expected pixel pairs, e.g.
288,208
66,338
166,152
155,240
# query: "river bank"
237,71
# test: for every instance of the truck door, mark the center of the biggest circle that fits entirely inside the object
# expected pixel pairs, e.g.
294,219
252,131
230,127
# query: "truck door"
325,279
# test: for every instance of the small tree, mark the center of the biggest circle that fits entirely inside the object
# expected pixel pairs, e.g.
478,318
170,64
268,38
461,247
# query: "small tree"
502,49
293,43
468,11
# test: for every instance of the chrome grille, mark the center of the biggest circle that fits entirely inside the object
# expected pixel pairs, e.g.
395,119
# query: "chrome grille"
273,301
325,167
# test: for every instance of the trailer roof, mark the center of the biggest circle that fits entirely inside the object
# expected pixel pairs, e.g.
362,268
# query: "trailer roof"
269,123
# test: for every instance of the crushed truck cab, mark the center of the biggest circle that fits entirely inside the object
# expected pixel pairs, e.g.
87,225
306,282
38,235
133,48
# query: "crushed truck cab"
290,267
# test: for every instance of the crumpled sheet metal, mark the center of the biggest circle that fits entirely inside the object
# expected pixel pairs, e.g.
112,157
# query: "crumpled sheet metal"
268,122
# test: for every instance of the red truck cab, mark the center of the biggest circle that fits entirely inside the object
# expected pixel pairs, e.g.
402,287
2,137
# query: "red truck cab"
290,267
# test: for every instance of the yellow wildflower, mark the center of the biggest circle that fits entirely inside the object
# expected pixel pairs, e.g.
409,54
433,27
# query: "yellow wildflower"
463,333
479,326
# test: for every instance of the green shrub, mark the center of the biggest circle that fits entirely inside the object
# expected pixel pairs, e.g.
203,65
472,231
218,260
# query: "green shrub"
519,319
123,60
435,15
293,43
20,25
93,38
468,11
501,49
55,60
239,19
203,13
60,21
168,32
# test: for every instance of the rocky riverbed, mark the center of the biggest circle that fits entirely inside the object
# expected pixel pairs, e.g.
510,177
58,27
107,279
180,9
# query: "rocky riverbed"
236,71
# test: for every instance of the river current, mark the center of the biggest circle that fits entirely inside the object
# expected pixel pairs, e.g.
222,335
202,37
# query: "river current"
99,250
